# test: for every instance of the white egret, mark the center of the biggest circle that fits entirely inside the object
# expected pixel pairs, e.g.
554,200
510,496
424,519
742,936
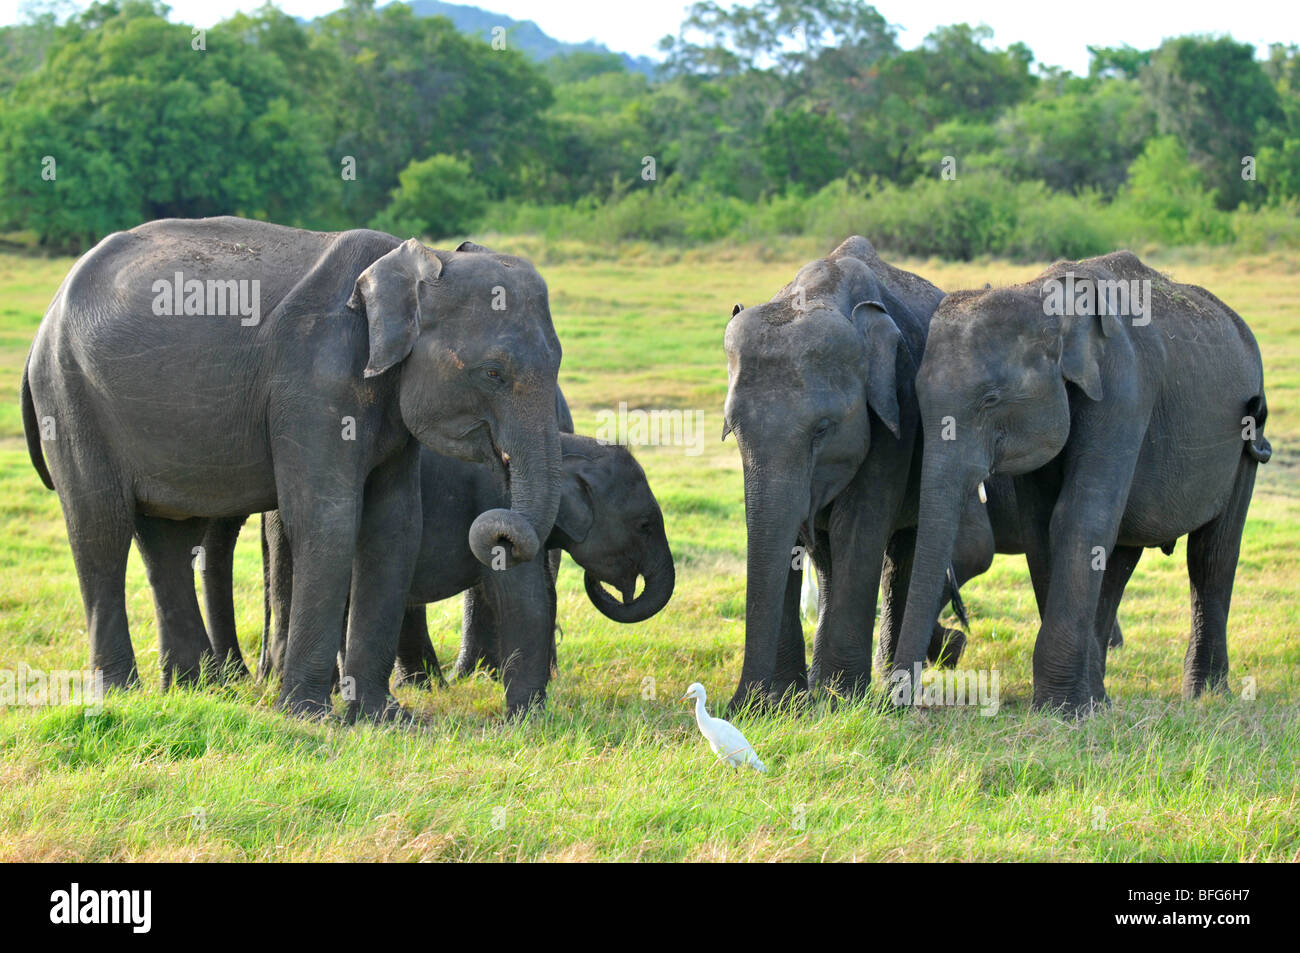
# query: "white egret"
808,592
724,738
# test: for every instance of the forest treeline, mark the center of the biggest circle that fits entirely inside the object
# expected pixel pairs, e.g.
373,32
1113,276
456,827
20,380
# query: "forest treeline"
784,118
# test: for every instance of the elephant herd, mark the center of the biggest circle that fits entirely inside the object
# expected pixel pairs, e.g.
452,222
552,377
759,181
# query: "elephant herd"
393,411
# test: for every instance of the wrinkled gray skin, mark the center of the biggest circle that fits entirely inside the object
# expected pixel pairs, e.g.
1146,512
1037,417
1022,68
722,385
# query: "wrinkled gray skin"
1118,437
608,521
160,420
985,529
820,398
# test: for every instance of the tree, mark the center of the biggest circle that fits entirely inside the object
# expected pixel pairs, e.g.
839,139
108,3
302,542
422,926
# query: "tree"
1214,96
804,148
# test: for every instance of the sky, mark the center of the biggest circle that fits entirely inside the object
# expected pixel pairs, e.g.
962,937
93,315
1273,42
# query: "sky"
1058,38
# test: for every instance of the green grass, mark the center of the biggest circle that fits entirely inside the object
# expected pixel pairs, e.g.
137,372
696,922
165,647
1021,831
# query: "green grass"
609,773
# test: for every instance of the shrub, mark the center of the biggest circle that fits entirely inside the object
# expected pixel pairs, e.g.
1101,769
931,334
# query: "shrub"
437,197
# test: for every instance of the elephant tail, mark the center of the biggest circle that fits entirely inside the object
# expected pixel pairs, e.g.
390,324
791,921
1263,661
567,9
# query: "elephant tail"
958,606
1259,448
32,429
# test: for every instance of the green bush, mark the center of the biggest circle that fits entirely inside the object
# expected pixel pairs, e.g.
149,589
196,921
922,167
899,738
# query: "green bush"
437,197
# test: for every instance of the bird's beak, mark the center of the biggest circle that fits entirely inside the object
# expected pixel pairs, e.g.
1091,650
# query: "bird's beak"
685,697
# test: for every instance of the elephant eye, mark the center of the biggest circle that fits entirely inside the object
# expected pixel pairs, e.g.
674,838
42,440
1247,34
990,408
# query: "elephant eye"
645,526
494,373
990,400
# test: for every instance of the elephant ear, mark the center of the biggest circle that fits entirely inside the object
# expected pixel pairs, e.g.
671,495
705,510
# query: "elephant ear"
1083,341
472,246
388,292
882,339
577,507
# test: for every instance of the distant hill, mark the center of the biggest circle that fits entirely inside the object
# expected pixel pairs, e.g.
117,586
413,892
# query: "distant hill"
524,35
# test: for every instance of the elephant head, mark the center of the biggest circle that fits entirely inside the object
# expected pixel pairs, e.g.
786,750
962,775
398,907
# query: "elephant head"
814,376
470,333
995,389
610,523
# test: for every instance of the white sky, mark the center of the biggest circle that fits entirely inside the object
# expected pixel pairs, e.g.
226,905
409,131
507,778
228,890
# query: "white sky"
1058,33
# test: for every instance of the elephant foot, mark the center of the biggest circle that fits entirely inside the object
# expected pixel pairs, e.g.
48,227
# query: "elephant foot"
533,703
380,711
1196,686
119,676
843,685
946,647
1070,705
465,668
189,671
300,706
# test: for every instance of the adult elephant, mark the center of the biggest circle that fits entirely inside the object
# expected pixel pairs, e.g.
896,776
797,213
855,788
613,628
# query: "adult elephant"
820,397
148,400
609,521
1130,411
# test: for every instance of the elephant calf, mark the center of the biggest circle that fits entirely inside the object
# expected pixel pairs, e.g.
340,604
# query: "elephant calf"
608,520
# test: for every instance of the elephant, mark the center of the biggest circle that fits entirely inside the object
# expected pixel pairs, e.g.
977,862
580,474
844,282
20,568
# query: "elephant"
609,521
1129,411
198,369
820,398
986,528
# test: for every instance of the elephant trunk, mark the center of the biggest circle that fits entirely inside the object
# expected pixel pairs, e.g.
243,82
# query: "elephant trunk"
503,538
659,583
947,480
774,512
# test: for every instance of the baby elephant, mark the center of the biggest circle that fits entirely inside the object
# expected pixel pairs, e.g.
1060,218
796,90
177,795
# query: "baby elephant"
609,521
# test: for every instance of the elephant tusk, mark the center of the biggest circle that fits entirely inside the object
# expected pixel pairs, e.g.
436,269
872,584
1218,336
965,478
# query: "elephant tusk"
505,458
984,497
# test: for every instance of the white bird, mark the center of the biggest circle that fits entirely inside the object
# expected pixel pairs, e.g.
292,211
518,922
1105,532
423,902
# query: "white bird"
724,738
808,592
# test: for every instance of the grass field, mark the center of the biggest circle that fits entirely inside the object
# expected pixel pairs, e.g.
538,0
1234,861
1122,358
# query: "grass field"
614,770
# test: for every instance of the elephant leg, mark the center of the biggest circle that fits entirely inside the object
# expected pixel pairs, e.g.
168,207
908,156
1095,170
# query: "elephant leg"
480,639
1212,552
946,646
1084,526
417,663
322,537
523,599
553,559
1119,569
842,645
168,548
1035,531
971,556
895,576
218,570
791,675
99,533
277,595
387,543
